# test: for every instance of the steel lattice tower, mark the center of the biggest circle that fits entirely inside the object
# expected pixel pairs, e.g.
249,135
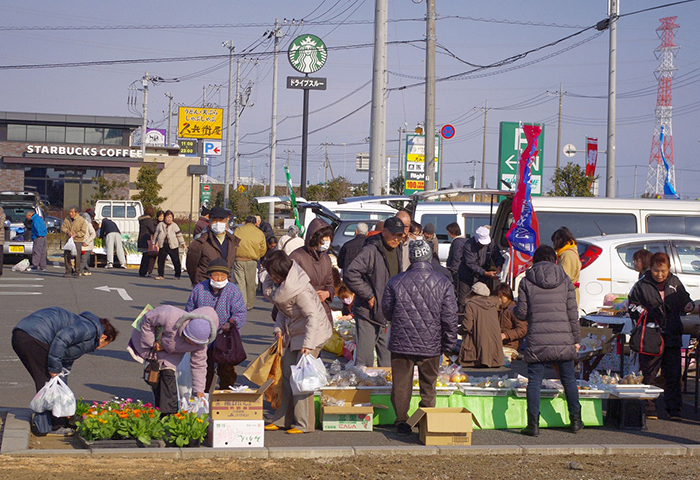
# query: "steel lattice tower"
664,108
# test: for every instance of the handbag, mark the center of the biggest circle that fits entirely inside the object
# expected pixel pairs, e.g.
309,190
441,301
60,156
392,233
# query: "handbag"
151,370
228,347
152,248
645,339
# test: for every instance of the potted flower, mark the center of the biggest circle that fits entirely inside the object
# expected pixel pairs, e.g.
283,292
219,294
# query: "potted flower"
185,429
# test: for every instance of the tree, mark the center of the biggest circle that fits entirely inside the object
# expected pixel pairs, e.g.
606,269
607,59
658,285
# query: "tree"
106,188
396,186
147,183
571,181
361,190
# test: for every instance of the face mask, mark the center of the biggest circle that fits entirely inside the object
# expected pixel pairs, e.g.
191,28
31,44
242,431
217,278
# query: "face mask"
218,285
218,228
324,246
348,301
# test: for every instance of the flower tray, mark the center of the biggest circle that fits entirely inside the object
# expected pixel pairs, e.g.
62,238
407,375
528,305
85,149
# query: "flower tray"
125,443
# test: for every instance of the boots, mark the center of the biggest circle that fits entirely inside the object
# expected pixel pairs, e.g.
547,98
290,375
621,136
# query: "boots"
576,423
533,426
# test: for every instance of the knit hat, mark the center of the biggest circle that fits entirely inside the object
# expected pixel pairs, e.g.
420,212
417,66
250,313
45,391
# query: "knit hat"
217,212
481,289
218,265
429,228
419,251
198,331
483,235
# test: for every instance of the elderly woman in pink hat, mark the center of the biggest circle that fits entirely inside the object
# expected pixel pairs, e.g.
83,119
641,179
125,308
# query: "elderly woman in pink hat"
167,333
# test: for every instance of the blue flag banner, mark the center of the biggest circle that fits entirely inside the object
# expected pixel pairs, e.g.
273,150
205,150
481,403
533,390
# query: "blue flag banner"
669,191
524,233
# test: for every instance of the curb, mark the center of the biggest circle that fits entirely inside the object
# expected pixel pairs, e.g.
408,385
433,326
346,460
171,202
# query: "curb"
15,442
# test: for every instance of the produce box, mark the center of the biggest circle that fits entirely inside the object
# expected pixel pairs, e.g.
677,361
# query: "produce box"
444,426
357,415
228,405
237,434
597,340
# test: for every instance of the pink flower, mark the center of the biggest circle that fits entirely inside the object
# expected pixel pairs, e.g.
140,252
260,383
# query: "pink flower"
129,400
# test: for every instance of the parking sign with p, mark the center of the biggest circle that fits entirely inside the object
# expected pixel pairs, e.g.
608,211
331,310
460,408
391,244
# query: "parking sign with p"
212,149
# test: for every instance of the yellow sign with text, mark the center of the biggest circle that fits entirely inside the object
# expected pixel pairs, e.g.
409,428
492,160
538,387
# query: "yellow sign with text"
195,122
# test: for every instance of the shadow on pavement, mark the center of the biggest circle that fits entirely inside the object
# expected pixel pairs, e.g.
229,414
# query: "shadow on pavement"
123,392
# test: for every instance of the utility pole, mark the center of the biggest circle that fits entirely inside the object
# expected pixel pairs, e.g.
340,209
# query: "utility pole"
613,13
170,119
325,165
144,83
236,160
634,192
288,151
429,158
377,135
227,162
204,96
273,127
561,95
483,150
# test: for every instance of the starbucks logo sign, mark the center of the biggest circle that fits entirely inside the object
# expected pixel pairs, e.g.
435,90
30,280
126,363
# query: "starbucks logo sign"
307,54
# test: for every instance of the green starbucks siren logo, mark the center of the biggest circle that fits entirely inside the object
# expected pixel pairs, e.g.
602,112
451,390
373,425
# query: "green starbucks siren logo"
307,54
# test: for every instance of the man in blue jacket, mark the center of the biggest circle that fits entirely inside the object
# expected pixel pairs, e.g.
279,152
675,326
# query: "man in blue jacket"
421,307
39,239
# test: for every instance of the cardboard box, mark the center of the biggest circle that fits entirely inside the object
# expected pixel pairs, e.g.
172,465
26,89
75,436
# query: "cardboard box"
349,418
601,336
444,426
237,433
228,405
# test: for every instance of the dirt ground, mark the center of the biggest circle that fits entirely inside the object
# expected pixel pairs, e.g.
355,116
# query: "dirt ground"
372,467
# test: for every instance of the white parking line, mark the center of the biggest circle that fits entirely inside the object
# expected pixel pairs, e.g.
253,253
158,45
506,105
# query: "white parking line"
22,285
26,279
20,293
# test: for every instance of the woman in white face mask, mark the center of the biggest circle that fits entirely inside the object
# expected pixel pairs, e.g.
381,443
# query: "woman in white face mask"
226,298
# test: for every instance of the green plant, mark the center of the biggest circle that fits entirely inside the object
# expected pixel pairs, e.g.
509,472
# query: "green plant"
571,181
147,183
120,418
106,189
183,427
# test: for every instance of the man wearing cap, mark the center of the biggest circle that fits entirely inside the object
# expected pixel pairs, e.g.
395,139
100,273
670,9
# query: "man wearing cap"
251,247
367,276
224,297
291,241
202,222
481,262
420,304
430,237
167,333
215,242
351,248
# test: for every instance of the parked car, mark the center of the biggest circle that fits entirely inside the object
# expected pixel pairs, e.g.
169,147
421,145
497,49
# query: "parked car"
607,264
17,228
125,213
53,224
345,231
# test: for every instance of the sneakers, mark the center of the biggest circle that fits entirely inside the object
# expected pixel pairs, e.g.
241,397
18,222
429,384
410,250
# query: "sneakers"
32,269
109,265
403,428
122,266
86,273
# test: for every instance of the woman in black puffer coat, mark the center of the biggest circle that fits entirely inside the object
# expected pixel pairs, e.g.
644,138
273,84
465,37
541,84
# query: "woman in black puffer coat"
663,296
547,301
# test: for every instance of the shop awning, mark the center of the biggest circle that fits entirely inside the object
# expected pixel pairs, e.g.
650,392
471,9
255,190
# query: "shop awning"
92,162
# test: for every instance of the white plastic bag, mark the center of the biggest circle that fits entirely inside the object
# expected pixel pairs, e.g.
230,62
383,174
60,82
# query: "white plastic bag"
308,375
197,405
183,374
54,396
70,245
21,266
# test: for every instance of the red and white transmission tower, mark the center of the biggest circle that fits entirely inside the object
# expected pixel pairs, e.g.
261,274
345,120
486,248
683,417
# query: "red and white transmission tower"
656,177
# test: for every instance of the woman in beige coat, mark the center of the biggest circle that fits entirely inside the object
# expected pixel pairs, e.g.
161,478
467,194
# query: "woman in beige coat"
169,239
564,243
481,330
304,327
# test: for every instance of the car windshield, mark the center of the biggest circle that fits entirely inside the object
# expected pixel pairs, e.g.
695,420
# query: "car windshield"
16,214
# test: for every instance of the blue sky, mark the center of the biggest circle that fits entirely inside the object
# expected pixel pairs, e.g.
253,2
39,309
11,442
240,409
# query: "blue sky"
486,33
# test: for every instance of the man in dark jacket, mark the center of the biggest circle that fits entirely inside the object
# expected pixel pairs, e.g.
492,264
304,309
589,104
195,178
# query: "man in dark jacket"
481,262
367,277
421,306
351,248
215,242
454,258
202,223
112,239
547,301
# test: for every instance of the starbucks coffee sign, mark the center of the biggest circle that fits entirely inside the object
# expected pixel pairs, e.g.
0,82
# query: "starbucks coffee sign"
307,54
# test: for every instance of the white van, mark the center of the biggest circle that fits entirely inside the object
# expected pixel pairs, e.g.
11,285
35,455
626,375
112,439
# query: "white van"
125,213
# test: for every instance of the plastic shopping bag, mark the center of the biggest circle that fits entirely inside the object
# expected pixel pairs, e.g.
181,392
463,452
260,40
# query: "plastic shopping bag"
70,245
335,344
198,405
308,375
183,373
54,396
21,266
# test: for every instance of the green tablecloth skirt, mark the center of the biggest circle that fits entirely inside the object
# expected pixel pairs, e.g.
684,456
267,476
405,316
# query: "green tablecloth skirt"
495,412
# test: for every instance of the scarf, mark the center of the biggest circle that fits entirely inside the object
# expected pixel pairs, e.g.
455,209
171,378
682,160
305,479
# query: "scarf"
566,247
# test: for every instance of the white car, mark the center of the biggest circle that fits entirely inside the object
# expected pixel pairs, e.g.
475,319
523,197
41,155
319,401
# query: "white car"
606,263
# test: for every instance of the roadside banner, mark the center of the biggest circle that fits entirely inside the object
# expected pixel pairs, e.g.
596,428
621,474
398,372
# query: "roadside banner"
293,199
669,191
591,156
523,235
